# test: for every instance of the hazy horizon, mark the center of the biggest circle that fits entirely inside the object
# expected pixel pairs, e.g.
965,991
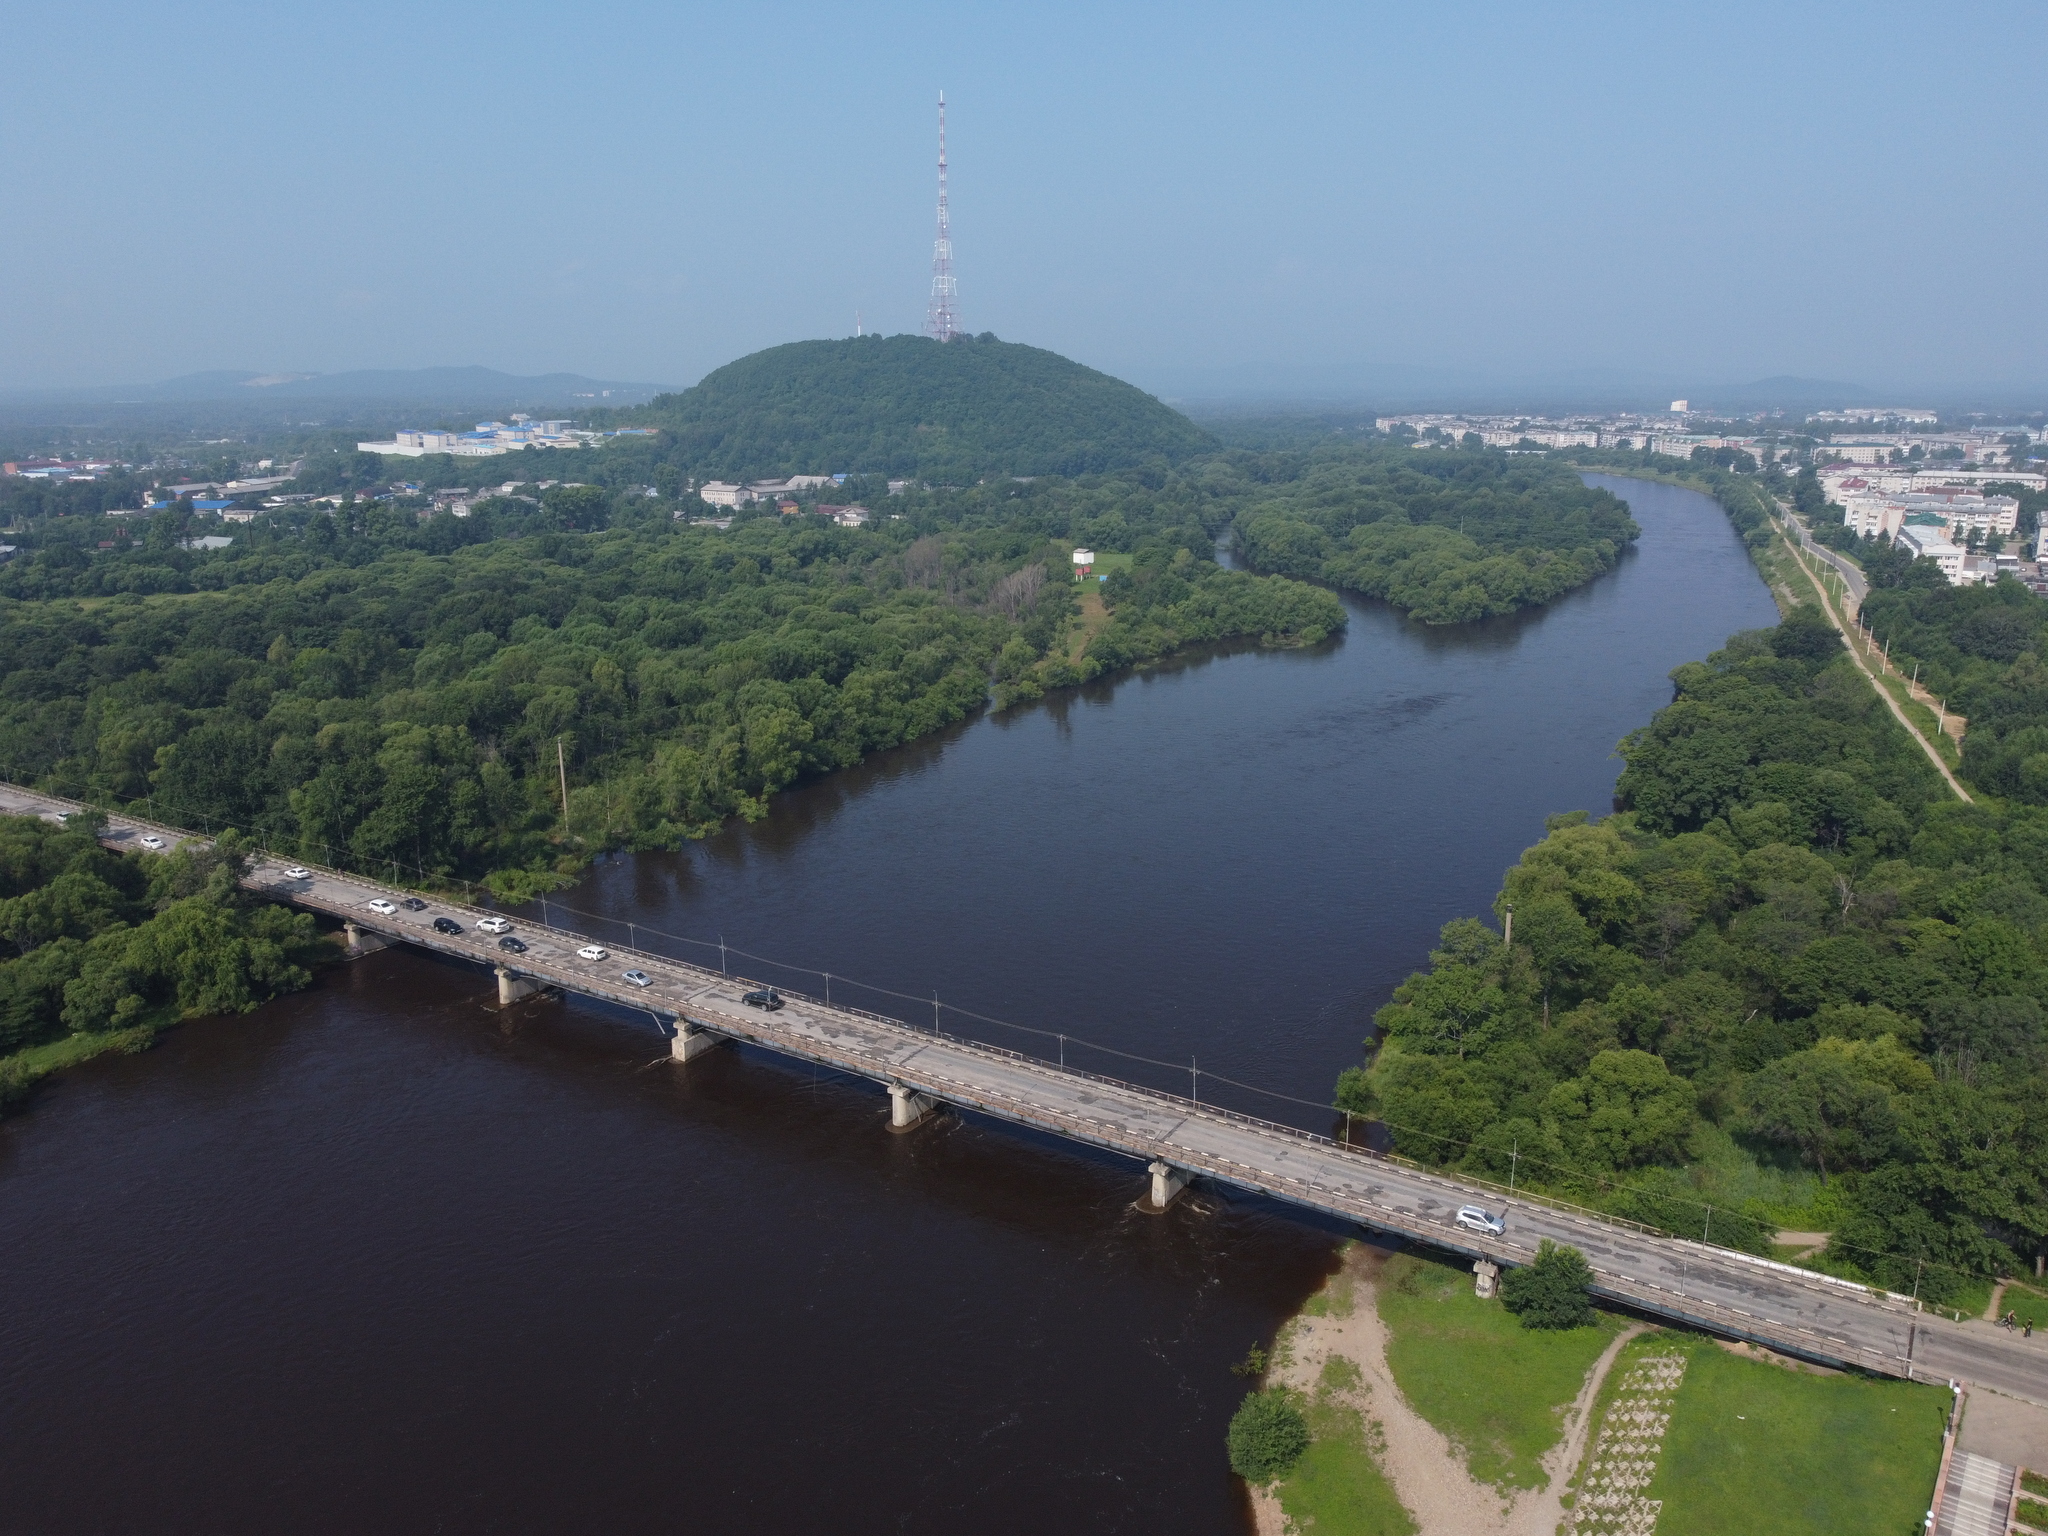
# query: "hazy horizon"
1326,204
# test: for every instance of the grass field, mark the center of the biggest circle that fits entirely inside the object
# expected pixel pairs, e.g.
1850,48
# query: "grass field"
1495,1388
1337,1489
1757,1448
1107,561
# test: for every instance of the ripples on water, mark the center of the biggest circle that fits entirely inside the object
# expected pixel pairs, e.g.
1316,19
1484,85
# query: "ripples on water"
376,1258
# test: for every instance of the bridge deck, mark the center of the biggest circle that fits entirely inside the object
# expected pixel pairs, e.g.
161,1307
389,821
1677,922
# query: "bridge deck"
1730,1293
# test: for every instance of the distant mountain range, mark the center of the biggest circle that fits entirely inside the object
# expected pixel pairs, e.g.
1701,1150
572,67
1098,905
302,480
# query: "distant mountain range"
446,387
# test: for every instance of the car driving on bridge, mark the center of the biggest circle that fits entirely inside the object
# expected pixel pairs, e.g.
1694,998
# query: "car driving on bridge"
511,945
763,997
382,907
413,904
298,872
593,952
637,979
151,840
1479,1219
493,925
446,925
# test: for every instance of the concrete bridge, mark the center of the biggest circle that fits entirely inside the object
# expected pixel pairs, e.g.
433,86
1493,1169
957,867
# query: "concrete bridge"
1736,1295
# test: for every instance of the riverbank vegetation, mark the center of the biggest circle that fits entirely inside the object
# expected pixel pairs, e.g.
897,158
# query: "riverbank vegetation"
368,690
1792,981
105,949
1450,536
1497,1389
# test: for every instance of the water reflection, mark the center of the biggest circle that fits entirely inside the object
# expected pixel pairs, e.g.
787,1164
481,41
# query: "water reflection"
379,1258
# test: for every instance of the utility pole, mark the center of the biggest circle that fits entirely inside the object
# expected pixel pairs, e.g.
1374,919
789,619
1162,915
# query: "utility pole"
562,765
1507,938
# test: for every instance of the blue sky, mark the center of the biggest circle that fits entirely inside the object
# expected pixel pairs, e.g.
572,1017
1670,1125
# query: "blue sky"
1202,199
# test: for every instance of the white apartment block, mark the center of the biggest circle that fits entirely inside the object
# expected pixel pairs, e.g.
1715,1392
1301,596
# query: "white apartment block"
488,440
1933,544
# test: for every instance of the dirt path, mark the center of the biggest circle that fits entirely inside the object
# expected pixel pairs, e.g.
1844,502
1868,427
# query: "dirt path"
1807,1243
1545,1508
1842,627
1428,1475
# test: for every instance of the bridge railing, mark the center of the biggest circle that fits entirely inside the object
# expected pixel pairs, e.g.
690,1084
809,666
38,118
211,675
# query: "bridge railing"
1181,1103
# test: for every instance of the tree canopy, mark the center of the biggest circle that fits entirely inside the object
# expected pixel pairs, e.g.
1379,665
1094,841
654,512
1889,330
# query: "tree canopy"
99,941
370,690
948,413
1449,536
1792,980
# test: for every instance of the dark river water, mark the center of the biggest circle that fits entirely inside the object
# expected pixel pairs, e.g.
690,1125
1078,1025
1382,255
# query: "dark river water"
378,1259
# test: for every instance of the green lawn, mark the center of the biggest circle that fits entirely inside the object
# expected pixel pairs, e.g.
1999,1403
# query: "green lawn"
1337,1489
1107,561
1497,1389
1766,1451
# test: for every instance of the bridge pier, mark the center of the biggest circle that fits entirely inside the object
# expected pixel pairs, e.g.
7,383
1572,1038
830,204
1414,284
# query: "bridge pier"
1167,1184
908,1109
361,941
1485,1279
690,1042
512,988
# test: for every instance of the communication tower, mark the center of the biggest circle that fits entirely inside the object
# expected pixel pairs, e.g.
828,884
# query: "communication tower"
940,319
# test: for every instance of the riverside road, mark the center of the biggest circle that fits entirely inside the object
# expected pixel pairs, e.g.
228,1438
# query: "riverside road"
1728,1293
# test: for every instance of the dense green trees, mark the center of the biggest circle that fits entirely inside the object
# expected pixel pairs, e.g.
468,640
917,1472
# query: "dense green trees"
1553,1290
903,405
346,689
1793,949
98,941
1449,536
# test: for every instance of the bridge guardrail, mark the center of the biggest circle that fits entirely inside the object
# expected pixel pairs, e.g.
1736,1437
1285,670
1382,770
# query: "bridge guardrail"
1186,1105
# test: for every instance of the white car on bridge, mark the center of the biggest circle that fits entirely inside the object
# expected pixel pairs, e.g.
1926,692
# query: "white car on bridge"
592,952
151,840
379,905
494,925
1478,1219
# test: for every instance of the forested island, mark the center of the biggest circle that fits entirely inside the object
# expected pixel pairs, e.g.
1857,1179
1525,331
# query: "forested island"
1448,536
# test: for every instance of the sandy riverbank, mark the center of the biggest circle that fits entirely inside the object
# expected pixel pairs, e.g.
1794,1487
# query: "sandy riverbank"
1426,1471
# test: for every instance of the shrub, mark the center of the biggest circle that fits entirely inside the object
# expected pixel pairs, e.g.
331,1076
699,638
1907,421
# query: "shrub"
1552,1291
1267,1435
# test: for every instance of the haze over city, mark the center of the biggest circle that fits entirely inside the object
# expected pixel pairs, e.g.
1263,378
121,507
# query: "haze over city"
1208,201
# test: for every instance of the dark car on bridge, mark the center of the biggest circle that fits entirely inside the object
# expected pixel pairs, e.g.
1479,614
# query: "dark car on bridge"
512,944
413,904
765,997
446,925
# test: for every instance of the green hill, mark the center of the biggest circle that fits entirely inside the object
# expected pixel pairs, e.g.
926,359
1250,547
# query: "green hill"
904,405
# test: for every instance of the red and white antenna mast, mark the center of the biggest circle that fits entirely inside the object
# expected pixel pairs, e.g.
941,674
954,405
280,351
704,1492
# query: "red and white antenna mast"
940,320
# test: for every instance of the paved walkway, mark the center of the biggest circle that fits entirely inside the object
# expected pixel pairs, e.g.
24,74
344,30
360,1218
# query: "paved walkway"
1977,1499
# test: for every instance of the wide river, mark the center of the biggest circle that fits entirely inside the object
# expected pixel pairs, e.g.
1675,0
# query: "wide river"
378,1259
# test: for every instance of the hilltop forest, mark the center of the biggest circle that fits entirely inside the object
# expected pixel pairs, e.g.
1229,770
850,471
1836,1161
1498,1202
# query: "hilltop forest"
908,406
